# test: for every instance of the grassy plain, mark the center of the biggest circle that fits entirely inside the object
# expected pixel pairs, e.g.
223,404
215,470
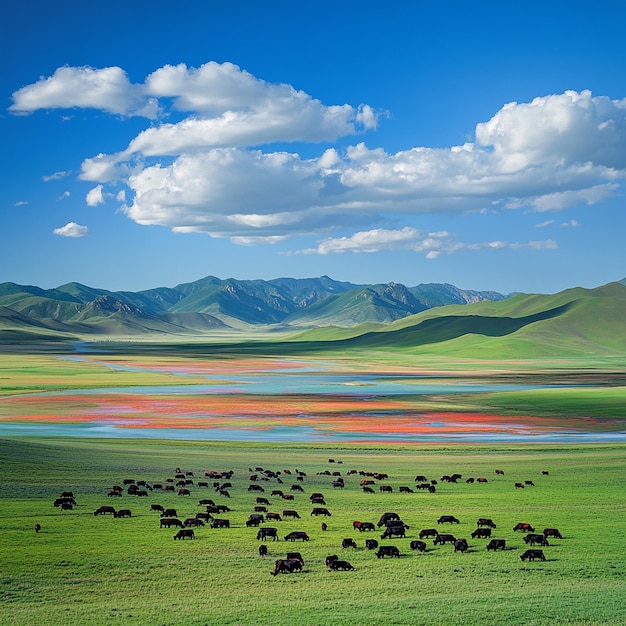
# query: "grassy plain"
86,569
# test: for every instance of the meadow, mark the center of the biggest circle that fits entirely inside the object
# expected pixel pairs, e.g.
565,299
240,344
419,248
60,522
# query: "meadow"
86,569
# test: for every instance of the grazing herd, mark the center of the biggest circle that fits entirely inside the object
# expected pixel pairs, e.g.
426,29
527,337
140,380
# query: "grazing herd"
390,525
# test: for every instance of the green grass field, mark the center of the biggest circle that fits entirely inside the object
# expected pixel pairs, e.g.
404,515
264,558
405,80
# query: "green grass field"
86,569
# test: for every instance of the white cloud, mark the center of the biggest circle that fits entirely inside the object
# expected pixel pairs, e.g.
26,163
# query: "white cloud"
55,176
215,170
121,196
570,224
64,195
544,224
107,89
94,196
21,203
432,244
72,229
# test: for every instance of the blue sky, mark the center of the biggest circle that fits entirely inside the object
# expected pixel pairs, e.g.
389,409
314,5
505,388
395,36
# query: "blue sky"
148,144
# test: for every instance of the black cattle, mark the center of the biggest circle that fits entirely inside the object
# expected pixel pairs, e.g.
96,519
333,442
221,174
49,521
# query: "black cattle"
277,492
291,513
482,533
366,526
206,502
295,555
530,483
532,555
262,550
525,528
460,545
182,492
168,513
156,507
202,484
337,565
114,494
260,508
220,523
348,543
313,496
399,530
122,513
318,500
448,519
387,517
385,489
295,535
103,510
420,546
193,521
552,532
519,485
330,559
256,488
324,526
531,539
286,566
204,516
500,472
185,533
443,539
371,544
265,501
266,532
66,506
166,522
67,494
428,532
545,473
391,551
254,520
274,516
296,487
406,490
485,521
420,479
320,511
368,490
59,502
494,544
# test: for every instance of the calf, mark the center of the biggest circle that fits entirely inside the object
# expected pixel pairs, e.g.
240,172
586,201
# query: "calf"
371,544
420,546
531,555
348,543
262,550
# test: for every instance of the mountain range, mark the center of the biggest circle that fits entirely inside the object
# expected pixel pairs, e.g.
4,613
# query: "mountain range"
212,304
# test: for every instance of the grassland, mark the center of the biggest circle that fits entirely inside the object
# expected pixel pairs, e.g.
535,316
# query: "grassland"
86,569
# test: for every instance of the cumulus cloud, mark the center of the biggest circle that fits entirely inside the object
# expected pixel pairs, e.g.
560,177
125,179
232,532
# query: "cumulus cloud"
72,229
95,196
213,166
107,89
